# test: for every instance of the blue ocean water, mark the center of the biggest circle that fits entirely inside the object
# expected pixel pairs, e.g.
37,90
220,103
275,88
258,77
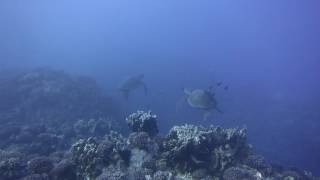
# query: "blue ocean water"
266,52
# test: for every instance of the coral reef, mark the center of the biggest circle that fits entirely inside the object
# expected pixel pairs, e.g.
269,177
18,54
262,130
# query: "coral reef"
191,147
11,168
36,177
54,126
112,173
45,111
63,170
91,157
242,172
258,162
39,165
84,155
163,175
187,152
54,100
143,122
55,96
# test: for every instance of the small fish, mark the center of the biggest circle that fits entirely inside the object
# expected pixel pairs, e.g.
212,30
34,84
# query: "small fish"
226,88
219,83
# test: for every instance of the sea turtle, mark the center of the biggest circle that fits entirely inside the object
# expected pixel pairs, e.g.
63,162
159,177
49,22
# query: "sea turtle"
132,83
202,99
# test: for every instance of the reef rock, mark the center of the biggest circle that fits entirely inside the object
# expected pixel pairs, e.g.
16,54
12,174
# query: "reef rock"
191,147
64,170
242,172
53,98
40,165
187,152
11,167
44,111
91,156
143,122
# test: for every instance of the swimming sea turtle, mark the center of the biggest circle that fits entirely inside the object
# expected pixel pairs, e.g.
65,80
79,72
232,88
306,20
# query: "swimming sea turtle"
202,99
131,84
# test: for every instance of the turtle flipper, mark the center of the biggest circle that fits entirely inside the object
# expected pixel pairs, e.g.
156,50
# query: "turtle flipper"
125,95
144,88
218,110
187,91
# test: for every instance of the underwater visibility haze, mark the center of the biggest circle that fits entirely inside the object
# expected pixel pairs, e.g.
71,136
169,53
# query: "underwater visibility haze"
77,74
